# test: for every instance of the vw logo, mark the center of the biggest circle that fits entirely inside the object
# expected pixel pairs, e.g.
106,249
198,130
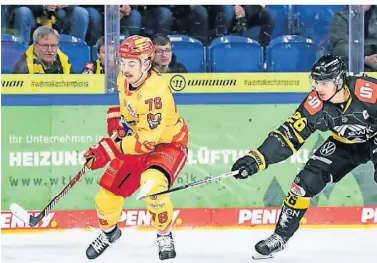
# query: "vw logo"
328,148
344,119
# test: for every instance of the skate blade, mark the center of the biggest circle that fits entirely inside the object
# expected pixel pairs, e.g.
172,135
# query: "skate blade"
168,260
258,256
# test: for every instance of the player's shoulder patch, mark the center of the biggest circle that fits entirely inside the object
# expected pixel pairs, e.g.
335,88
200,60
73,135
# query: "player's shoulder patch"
366,90
313,104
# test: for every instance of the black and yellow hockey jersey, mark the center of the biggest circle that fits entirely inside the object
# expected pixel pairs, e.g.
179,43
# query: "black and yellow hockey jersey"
353,122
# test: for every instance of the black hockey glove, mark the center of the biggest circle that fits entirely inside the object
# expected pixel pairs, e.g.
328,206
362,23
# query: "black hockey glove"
249,164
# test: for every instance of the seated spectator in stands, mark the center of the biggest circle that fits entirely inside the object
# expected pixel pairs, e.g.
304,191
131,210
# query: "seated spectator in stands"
191,20
96,24
146,20
165,61
44,56
339,36
98,66
3,19
252,21
130,21
72,20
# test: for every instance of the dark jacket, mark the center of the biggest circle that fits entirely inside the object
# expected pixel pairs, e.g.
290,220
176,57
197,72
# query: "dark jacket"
251,11
175,66
339,34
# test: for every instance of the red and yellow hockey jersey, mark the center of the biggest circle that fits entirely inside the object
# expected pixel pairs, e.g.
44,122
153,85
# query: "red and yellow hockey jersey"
149,115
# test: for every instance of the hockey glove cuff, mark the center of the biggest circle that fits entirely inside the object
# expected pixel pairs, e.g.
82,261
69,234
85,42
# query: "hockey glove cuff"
249,164
98,156
113,119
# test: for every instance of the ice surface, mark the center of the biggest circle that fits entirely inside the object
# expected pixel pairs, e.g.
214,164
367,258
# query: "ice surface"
194,246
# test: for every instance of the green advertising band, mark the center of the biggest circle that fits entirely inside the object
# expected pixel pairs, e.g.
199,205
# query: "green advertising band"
43,146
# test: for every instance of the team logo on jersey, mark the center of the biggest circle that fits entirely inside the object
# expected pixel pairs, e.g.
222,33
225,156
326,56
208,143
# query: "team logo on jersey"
154,120
353,130
366,90
328,148
313,104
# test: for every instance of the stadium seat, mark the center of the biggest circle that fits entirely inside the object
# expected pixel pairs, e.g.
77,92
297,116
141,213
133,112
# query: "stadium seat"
290,54
11,51
9,37
314,20
281,24
77,51
94,55
70,39
189,51
235,54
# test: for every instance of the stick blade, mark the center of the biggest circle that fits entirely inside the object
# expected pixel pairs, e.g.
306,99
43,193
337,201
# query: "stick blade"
20,213
145,188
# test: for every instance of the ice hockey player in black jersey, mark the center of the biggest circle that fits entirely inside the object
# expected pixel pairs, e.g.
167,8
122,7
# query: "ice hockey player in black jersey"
340,103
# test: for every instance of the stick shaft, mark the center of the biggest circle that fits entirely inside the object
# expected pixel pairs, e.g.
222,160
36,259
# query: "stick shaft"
193,184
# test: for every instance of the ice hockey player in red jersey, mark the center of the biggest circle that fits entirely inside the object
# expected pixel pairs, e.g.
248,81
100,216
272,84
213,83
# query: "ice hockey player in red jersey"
150,151
340,103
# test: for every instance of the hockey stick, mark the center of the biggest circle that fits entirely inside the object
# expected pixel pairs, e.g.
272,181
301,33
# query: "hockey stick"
26,217
143,194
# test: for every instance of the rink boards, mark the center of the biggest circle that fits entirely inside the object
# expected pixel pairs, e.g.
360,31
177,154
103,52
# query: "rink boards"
38,160
332,217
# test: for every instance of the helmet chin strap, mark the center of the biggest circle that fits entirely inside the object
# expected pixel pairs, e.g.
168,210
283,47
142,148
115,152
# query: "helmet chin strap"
144,72
337,90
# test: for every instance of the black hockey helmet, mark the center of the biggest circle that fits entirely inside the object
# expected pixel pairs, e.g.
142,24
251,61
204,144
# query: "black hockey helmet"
329,67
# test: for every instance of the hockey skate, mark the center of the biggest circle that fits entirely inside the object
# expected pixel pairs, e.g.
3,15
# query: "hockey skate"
166,248
268,247
102,242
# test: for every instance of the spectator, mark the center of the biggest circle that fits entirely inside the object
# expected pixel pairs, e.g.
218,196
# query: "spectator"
191,20
153,19
3,20
44,56
96,24
72,20
98,66
339,36
252,21
130,22
165,61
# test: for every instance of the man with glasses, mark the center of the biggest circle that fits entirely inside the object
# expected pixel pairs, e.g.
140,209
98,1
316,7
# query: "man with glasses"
44,56
165,61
